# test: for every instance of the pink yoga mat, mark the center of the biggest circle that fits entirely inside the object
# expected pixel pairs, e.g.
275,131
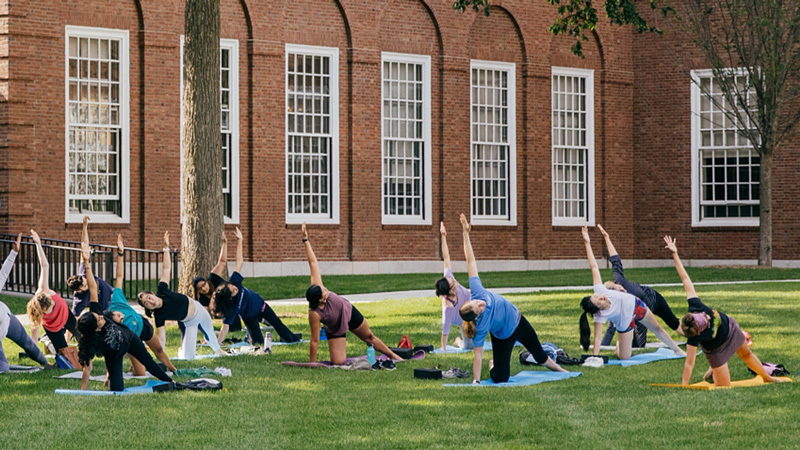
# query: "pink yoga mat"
416,356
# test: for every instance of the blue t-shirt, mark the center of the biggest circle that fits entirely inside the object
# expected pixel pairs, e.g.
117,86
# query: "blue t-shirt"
500,317
248,303
132,319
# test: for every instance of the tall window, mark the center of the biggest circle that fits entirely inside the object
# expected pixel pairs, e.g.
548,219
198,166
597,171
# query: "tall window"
725,167
572,138
97,127
229,124
312,134
493,138
406,126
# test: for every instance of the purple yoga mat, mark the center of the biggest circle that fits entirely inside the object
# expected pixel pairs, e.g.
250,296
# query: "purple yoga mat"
416,356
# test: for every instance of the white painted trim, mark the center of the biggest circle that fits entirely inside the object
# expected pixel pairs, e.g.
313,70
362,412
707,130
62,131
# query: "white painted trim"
333,214
427,179
512,141
590,144
124,156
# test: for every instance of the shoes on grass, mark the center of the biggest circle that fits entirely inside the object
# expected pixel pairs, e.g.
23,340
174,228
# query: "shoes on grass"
387,364
455,372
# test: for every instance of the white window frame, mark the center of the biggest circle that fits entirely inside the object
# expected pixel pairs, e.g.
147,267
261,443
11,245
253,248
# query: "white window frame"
511,220
332,217
233,47
425,217
589,220
124,119
696,94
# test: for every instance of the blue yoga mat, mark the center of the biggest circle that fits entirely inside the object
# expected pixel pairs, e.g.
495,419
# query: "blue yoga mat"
450,349
147,388
644,358
524,378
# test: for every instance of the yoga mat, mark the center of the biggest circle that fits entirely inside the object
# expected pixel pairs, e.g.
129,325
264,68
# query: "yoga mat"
24,369
644,358
706,386
127,376
450,349
311,365
147,388
524,378
304,341
646,346
417,356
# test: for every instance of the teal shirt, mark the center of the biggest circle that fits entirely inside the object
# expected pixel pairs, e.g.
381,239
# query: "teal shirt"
133,320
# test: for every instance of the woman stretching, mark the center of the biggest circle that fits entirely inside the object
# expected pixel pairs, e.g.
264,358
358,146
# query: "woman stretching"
620,308
101,335
234,300
47,308
488,312
167,305
453,295
10,327
652,298
337,314
718,334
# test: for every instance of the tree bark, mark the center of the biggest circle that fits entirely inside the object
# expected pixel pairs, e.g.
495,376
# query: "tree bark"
765,210
201,179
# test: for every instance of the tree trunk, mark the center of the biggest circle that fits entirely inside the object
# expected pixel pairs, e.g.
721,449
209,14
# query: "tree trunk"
765,215
201,179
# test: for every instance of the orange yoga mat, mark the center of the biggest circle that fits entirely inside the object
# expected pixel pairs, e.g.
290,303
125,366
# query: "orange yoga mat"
706,386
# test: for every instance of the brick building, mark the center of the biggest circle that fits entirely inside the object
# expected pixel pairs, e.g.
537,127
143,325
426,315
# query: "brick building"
372,121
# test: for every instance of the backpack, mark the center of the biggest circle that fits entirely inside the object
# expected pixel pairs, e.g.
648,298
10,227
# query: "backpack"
526,358
405,342
200,384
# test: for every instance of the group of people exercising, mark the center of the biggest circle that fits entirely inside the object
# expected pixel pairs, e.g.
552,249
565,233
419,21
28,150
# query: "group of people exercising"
111,328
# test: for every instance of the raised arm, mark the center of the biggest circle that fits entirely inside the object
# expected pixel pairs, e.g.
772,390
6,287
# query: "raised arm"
166,266
596,278
8,264
687,282
472,265
611,250
120,262
316,276
445,250
239,250
91,283
219,269
44,266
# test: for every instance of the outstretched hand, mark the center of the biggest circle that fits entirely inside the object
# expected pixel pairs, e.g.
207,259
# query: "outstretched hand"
585,234
465,225
35,236
238,233
16,245
442,229
602,231
120,244
224,237
85,220
166,239
304,230
671,244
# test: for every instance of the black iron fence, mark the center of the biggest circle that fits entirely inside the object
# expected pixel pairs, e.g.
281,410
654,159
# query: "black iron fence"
142,267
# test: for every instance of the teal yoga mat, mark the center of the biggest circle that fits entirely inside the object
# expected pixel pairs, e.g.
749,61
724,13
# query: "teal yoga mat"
524,378
147,388
644,358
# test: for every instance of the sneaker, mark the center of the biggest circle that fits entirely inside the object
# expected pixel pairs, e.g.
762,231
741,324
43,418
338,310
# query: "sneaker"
377,365
455,372
388,365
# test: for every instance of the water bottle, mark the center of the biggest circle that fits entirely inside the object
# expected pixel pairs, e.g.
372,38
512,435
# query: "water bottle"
322,335
371,354
268,343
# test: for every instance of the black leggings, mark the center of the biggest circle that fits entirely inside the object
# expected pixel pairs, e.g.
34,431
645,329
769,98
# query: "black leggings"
662,309
138,351
59,338
254,327
503,347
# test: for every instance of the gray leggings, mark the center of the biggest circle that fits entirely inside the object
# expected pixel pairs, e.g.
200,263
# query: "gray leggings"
17,333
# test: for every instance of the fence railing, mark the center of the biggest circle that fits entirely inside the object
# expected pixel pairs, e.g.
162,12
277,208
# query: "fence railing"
142,267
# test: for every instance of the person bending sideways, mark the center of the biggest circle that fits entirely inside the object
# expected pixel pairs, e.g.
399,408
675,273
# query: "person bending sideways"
337,314
718,334
453,295
620,308
487,313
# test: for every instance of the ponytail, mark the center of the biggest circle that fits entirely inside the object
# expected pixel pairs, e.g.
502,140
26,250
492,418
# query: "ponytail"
583,322
468,327
36,306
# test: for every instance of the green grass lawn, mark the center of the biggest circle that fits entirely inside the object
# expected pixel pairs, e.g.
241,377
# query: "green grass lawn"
267,405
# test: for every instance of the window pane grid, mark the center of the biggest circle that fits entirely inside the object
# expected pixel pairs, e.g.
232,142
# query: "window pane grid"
226,97
94,128
570,148
729,166
403,140
309,134
490,149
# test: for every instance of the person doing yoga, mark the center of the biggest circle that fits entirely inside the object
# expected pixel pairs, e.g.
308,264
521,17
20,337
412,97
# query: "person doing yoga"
48,309
10,326
718,334
80,296
102,335
168,305
453,295
652,298
622,309
204,287
234,300
336,313
488,312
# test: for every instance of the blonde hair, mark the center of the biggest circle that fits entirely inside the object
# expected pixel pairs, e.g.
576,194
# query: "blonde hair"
37,305
610,284
468,319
